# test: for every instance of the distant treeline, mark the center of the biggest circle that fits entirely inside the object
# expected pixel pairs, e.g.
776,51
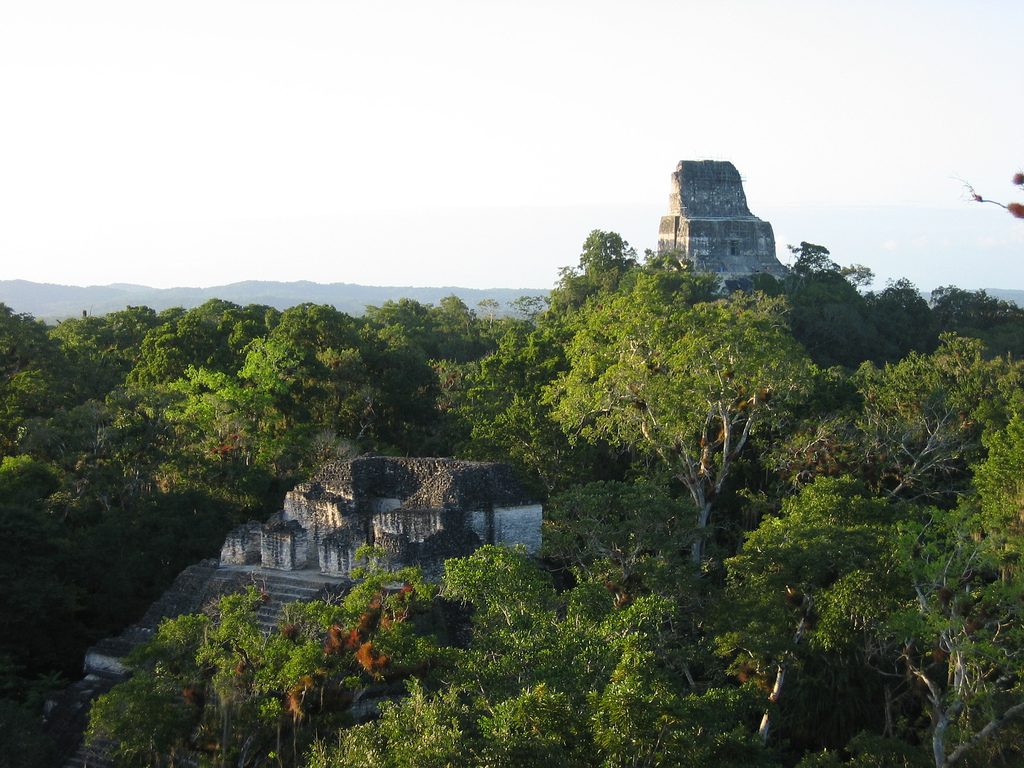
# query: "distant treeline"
51,302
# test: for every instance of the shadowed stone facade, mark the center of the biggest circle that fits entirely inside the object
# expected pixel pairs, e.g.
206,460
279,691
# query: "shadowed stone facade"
710,226
419,511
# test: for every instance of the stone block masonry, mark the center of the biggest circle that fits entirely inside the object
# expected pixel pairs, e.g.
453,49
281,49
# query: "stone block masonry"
419,511
710,226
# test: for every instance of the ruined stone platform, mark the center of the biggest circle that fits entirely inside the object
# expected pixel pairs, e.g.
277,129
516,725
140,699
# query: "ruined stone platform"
196,589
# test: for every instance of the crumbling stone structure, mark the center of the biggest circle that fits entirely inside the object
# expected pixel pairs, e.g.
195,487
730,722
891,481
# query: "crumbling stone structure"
710,226
419,511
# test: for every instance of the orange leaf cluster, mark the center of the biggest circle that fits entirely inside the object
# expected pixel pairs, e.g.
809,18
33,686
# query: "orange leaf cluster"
372,660
194,696
621,596
338,640
304,694
358,639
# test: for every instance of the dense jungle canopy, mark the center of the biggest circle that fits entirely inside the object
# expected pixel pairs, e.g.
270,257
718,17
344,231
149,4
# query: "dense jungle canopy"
784,526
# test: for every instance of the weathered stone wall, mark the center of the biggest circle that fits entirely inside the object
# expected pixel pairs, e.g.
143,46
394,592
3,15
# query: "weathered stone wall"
429,483
336,552
318,510
732,246
242,545
519,525
420,511
285,545
702,188
425,537
711,227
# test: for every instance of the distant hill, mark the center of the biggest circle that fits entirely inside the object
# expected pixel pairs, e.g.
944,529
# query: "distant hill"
50,302
1007,294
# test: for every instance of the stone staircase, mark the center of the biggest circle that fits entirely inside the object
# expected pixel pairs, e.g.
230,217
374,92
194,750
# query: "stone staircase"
194,589
285,587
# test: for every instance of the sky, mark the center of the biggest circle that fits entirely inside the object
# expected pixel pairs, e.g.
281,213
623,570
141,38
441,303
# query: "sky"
476,144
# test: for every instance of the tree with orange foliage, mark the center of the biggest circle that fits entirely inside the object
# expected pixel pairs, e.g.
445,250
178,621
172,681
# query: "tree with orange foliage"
216,689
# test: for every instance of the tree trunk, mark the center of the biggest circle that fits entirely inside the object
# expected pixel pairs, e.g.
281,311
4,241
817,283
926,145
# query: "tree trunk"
703,516
806,606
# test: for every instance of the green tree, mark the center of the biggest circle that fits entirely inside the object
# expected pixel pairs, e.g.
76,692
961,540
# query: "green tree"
501,414
628,536
828,315
216,687
812,259
902,322
605,260
413,318
461,335
423,730
212,336
910,429
998,323
922,418
22,741
39,601
688,385
101,351
31,384
400,399
529,308
800,593
552,679
296,400
998,478
960,637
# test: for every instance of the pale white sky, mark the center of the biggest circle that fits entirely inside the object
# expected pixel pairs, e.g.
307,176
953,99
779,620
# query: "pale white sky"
201,142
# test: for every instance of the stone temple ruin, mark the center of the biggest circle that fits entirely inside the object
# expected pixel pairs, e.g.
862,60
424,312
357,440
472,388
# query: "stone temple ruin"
710,226
419,511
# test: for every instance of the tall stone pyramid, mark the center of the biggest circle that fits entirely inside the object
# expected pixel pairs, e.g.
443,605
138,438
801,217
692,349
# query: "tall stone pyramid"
710,226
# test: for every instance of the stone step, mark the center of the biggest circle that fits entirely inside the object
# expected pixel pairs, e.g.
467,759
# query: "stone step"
286,587
194,589
269,623
289,580
291,591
